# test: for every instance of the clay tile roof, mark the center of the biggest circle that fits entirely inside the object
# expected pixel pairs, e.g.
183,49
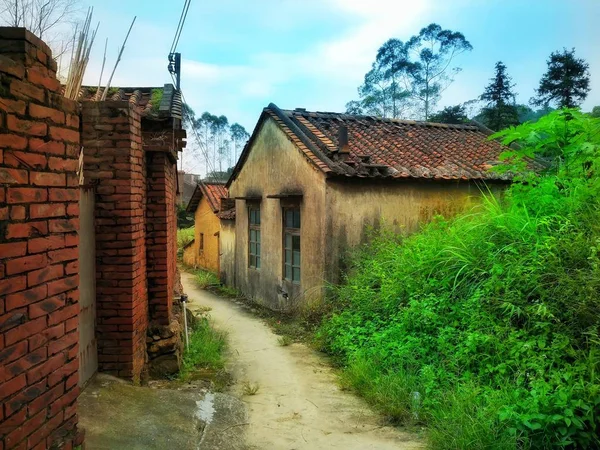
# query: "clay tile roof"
388,148
213,193
227,215
170,104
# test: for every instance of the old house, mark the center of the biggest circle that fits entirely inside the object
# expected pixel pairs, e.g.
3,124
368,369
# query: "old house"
308,186
205,203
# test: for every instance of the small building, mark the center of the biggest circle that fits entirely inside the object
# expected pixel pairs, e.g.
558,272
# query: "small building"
309,186
205,203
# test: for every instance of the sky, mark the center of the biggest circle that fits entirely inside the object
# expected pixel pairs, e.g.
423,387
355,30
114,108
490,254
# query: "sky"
240,55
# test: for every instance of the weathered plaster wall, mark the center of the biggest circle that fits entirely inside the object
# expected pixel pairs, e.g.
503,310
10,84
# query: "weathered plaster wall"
227,256
274,166
207,223
355,206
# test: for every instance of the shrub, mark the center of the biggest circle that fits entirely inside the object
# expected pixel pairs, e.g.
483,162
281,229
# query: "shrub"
491,319
184,237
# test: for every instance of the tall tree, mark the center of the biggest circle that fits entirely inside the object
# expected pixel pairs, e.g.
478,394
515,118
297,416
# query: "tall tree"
500,110
566,83
38,16
239,136
450,114
430,74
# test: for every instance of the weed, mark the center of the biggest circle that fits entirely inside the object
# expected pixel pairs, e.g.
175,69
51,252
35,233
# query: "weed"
205,279
206,349
249,388
285,340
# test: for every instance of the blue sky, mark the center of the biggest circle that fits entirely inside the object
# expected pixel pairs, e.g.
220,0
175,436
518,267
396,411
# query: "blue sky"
240,55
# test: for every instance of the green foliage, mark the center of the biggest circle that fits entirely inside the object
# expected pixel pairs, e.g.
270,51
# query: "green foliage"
206,350
184,237
156,98
184,218
450,114
566,83
206,279
485,327
500,111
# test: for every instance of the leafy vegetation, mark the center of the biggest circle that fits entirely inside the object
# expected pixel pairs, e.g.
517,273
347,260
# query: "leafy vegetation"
485,327
206,350
156,99
184,237
500,111
206,279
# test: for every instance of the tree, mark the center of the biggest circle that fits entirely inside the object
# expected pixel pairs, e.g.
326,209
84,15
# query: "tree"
239,136
595,112
500,111
450,114
38,16
566,82
430,74
527,114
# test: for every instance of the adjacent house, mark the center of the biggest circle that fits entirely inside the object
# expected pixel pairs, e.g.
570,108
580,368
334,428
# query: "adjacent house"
205,203
309,186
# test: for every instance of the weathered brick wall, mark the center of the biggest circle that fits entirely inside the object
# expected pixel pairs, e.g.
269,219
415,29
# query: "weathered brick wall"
39,293
161,235
114,161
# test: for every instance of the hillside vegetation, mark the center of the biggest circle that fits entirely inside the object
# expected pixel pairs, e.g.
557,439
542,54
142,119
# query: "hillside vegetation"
485,327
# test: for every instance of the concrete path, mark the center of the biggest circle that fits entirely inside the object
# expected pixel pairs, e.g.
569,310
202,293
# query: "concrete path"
298,406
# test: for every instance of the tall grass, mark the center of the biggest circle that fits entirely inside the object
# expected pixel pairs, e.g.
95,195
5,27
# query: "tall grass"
485,327
206,350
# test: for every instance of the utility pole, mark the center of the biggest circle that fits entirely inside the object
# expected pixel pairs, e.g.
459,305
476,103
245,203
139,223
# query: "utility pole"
175,69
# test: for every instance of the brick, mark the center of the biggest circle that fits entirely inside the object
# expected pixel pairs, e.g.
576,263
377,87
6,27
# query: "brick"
27,91
12,422
72,267
31,359
65,254
47,179
64,134
26,230
12,319
26,297
17,213
63,285
13,176
73,210
14,284
65,372
43,244
28,127
43,401
16,158
44,275
71,324
24,331
46,306
4,214
43,112
13,141
49,82
24,397
12,67
28,427
45,430
26,195
46,336
11,386
12,106
13,353
25,264
71,240
58,195
49,147
53,363
63,314
64,342
73,120
13,249
59,164
64,401
46,210
73,379
63,225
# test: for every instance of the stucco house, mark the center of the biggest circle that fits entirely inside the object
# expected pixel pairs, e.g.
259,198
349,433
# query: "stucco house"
205,203
309,186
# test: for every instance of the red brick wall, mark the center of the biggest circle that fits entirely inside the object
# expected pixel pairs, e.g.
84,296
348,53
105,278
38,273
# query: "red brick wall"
39,212
114,161
161,230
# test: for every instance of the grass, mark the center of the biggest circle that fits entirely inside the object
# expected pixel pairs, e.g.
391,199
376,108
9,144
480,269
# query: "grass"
205,278
249,388
206,350
285,340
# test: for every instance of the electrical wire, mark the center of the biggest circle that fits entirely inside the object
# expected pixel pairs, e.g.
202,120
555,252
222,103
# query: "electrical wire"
184,11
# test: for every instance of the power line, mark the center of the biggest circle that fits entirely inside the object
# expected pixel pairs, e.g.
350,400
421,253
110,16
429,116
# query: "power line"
184,11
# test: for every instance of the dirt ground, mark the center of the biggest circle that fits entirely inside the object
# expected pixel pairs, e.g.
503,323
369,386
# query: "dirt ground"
298,404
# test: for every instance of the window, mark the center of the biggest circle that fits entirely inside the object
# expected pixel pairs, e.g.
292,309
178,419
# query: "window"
254,231
291,244
201,243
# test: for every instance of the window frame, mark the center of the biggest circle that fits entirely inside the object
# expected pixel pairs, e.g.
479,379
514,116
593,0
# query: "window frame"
201,243
293,232
254,227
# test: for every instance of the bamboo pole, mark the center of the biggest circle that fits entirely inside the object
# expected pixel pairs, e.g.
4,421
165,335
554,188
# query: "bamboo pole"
118,60
97,96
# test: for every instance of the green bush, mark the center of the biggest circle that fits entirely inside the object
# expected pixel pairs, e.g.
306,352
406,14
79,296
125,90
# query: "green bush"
485,327
184,237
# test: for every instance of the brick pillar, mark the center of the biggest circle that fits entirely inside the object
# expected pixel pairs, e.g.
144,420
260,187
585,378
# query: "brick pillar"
39,218
114,161
161,229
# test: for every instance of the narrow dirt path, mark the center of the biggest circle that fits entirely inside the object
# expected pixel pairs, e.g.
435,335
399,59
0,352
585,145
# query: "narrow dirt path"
298,405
